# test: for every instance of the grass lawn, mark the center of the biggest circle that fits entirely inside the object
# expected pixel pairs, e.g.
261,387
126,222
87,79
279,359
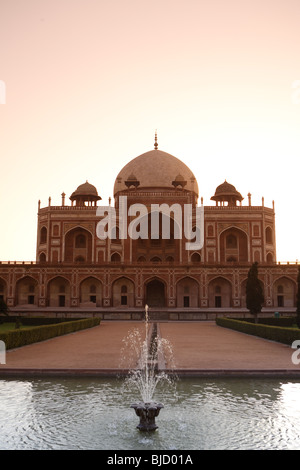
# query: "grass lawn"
4,327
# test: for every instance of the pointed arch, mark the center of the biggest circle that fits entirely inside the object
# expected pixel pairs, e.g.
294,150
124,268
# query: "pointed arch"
90,292
284,292
42,257
115,257
155,292
123,292
234,245
269,235
187,292
219,292
43,235
27,291
195,257
58,292
155,259
79,242
3,289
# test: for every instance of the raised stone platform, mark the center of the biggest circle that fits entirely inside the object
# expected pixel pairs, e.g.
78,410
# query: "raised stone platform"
159,314
200,349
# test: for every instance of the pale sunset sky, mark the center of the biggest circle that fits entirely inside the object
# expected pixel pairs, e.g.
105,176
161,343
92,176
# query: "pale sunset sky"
84,84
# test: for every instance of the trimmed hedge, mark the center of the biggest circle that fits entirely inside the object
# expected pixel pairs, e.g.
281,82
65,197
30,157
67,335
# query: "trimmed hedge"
281,321
18,338
272,321
273,333
35,321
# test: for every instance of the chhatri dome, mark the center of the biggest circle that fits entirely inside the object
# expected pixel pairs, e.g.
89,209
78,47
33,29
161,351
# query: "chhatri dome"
156,169
226,192
85,192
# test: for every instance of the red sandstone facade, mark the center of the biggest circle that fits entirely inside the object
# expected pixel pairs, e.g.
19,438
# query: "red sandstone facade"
76,271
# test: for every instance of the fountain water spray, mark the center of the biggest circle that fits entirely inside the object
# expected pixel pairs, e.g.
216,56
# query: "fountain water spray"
150,355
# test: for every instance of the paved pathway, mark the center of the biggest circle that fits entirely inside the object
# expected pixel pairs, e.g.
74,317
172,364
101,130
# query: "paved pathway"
199,348
205,346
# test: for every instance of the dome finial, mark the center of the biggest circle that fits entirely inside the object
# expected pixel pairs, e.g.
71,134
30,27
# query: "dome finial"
155,142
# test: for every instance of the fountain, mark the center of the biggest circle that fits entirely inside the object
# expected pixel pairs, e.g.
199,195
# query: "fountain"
94,413
90,413
147,413
150,354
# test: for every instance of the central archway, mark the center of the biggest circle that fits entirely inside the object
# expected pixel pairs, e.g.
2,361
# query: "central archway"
155,294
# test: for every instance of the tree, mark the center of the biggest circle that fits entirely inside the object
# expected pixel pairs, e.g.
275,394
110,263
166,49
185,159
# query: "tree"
298,299
3,308
254,292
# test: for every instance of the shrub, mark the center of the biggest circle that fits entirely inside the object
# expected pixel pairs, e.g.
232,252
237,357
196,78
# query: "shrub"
273,333
254,291
37,321
282,321
18,338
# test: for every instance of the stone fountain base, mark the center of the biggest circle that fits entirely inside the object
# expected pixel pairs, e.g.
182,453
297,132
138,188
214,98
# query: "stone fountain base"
147,413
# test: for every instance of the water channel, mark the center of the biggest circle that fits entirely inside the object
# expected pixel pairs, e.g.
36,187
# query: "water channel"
201,414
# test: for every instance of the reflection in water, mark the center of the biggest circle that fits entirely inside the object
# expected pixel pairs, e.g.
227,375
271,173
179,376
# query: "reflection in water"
202,414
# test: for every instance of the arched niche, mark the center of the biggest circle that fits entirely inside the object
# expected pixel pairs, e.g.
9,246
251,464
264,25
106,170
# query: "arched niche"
234,246
219,293
78,245
284,292
3,290
43,235
115,257
187,293
123,292
58,292
90,292
27,291
155,293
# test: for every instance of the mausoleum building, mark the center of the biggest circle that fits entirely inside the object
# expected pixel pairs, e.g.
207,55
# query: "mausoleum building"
78,272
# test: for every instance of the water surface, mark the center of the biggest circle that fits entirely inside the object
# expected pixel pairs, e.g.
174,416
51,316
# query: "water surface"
203,414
